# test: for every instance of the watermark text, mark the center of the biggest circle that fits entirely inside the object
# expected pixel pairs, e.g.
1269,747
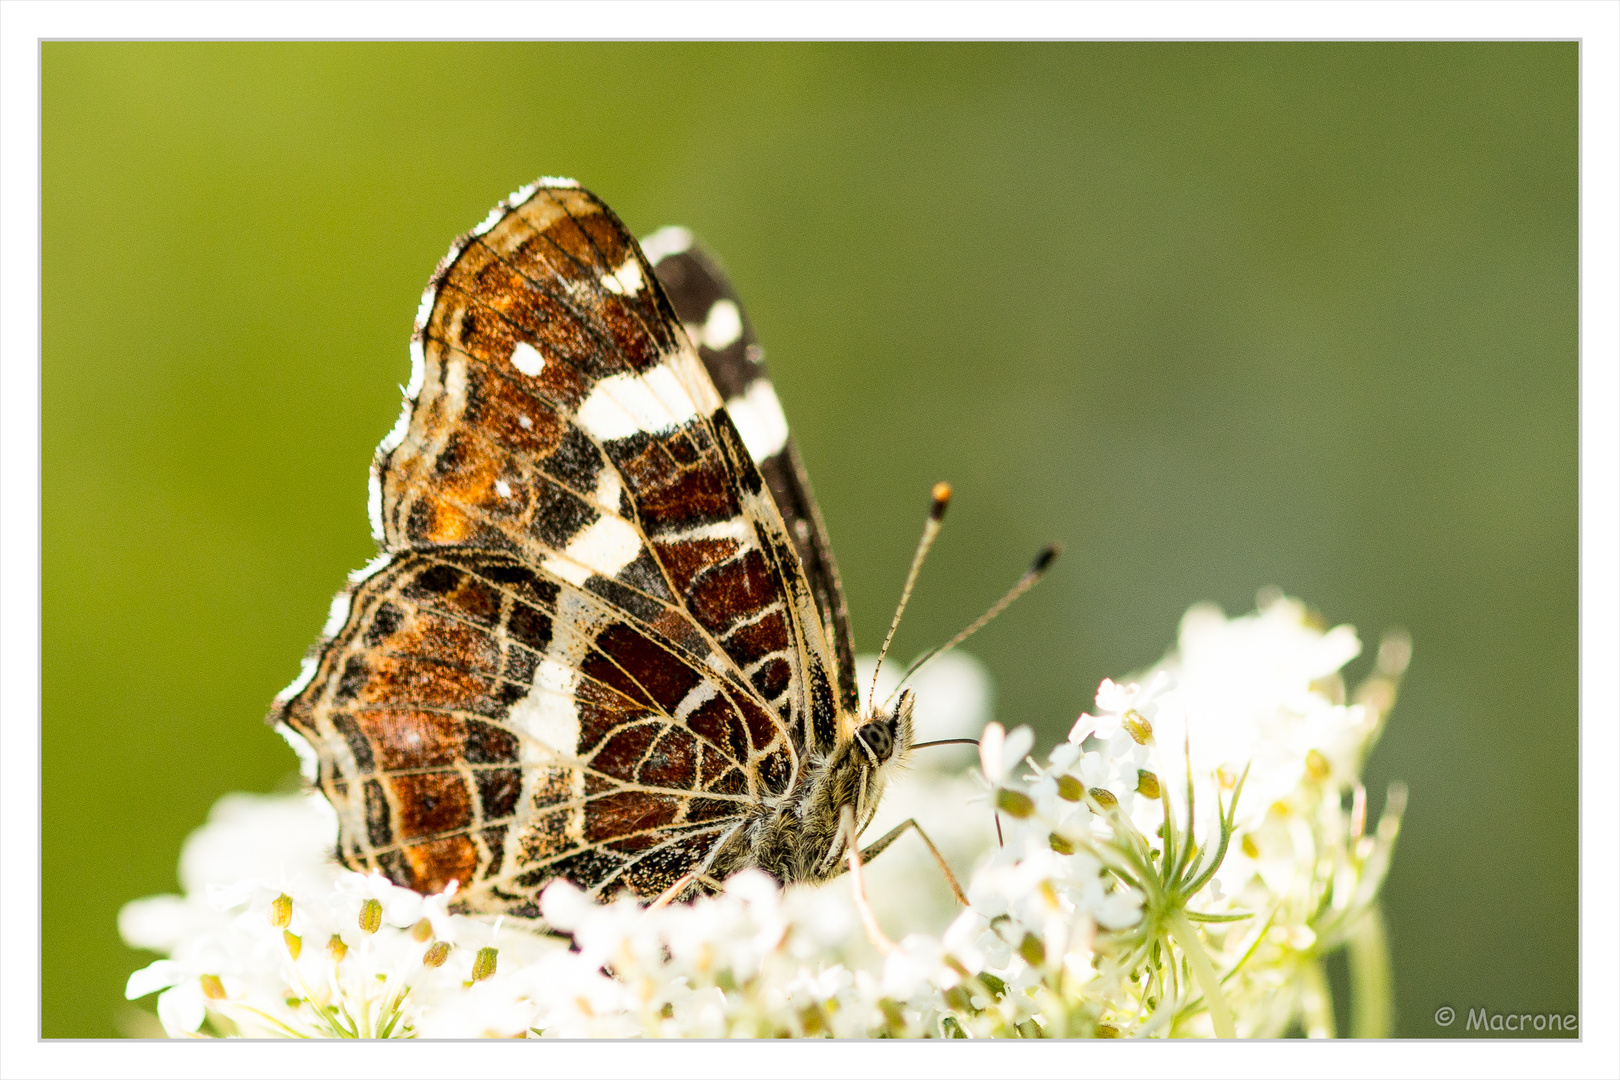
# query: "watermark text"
1523,1023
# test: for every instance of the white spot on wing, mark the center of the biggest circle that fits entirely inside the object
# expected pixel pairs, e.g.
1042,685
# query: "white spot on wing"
695,699
608,490
557,181
626,280
524,422
527,359
723,325
759,420
503,489
547,714
735,528
621,405
308,761
521,195
670,240
605,547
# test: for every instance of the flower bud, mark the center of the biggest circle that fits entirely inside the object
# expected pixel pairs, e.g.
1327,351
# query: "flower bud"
1147,784
336,949
423,930
294,943
212,988
1015,803
371,915
1137,727
281,911
437,954
484,963
1070,789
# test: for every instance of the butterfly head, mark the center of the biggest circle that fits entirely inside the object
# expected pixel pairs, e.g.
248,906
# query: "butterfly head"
885,736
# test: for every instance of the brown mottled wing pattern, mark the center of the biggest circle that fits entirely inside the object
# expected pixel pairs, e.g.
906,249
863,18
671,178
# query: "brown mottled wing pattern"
709,308
588,649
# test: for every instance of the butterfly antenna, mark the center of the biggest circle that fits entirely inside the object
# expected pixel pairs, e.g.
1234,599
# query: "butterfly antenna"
936,513
1036,571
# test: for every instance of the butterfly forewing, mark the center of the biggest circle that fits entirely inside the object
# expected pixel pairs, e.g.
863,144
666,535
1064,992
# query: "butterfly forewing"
590,649
709,308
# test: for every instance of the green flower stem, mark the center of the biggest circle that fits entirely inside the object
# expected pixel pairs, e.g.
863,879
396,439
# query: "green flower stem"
1220,1014
1372,989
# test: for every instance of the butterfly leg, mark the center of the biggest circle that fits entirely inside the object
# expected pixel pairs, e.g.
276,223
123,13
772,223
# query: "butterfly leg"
846,820
670,894
877,848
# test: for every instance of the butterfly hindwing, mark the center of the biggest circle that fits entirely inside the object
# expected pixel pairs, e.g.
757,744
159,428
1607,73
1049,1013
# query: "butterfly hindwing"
478,721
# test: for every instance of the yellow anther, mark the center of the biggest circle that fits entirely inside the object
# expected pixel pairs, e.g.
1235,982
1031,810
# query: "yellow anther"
1015,803
1147,784
281,910
1137,727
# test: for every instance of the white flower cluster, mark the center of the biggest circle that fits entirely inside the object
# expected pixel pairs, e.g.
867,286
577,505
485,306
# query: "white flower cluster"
1180,865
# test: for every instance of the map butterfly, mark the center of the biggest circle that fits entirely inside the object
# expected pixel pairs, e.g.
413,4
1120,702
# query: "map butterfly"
605,640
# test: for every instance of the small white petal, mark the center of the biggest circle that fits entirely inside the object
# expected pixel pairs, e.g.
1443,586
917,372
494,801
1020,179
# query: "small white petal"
1019,741
158,923
158,975
991,741
1082,728
182,1008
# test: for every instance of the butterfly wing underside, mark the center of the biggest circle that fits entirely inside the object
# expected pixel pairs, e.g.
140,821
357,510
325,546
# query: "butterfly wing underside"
709,308
589,649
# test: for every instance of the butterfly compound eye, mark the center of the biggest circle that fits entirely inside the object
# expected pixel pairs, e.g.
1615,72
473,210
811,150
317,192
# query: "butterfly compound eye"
878,738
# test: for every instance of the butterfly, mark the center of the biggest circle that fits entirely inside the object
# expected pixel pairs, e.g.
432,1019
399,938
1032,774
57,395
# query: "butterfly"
605,639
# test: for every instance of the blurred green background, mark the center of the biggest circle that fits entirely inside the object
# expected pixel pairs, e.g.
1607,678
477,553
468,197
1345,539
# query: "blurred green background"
1215,316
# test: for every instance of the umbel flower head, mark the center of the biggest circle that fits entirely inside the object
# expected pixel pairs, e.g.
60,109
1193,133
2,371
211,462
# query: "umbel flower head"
1180,865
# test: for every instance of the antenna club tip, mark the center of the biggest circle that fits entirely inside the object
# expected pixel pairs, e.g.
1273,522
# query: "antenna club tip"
942,498
1046,558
